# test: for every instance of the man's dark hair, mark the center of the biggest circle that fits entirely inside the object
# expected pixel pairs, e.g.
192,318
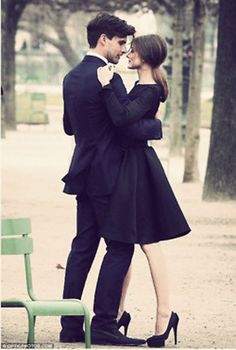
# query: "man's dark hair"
105,23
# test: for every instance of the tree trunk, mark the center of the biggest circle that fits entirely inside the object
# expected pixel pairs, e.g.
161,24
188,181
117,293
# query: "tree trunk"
11,13
220,180
8,67
176,87
191,172
3,133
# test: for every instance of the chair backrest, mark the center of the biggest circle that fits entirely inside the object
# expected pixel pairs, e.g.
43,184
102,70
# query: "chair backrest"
21,244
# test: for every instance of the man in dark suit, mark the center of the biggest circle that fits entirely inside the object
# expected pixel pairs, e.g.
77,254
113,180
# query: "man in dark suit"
92,175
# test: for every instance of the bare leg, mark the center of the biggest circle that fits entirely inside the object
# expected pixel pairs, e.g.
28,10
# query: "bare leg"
158,271
124,292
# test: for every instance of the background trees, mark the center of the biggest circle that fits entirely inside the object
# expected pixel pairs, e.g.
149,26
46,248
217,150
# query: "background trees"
11,13
54,13
176,85
52,16
220,180
189,18
191,172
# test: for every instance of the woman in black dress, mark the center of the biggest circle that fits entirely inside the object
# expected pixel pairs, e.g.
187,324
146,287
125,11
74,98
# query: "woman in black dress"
143,208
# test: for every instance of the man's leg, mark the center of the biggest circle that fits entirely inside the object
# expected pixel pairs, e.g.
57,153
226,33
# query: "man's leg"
108,293
109,285
80,259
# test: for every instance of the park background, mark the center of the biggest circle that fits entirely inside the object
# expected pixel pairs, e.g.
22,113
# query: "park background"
42,40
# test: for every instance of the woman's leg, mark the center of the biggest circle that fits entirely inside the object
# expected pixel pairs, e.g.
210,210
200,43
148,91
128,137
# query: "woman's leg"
124,293
158,271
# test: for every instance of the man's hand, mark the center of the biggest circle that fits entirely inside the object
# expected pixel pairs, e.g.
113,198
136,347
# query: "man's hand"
105,74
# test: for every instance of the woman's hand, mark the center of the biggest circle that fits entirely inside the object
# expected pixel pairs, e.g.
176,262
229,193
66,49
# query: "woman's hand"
105,74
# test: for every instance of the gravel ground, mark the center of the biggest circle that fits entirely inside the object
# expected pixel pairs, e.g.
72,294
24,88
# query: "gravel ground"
201,265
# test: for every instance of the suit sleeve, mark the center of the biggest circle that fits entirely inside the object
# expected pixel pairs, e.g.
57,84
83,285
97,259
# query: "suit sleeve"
130,111
66,122
66,119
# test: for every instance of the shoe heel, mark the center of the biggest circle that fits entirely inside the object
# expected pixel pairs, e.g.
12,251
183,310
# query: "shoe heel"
126,329
124,322
175,331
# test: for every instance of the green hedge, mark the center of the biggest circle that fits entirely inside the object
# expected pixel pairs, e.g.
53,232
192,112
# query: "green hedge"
31,108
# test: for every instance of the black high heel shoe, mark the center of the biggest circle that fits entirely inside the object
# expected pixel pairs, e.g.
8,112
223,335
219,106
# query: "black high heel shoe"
124,321
158,341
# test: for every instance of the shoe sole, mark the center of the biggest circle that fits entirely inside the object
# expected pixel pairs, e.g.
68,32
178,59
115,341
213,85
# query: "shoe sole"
105,342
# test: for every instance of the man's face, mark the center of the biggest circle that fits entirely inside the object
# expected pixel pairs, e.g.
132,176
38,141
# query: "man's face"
115,48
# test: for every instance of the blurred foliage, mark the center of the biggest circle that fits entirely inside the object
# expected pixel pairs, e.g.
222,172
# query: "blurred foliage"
24,106
31,108
101,5
56,14
160,6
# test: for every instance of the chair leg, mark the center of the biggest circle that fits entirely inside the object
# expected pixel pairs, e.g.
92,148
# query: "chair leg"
31,324
87,329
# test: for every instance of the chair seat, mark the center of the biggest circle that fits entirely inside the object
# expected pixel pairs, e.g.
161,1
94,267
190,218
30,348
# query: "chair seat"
68,307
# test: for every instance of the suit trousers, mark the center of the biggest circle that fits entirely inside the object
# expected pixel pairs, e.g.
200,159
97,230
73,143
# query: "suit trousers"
90,215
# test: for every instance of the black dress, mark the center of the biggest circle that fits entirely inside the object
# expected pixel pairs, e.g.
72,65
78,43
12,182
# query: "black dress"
143,208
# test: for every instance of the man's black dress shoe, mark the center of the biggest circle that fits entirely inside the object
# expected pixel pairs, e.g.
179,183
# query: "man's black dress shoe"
114,337
78,337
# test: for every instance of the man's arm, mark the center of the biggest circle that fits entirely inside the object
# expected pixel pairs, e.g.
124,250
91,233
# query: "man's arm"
66,119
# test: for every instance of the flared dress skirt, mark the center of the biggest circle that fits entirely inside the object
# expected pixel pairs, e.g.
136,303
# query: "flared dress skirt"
143,208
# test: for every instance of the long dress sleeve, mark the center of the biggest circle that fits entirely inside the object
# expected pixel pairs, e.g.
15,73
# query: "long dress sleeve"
143,130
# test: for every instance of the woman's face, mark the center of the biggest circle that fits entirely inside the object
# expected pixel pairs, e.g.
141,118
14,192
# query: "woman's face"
134,60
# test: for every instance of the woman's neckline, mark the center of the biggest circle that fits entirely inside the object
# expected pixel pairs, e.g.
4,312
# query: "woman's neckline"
137,83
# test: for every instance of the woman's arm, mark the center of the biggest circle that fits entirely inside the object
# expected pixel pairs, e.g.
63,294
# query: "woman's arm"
126,114
143,129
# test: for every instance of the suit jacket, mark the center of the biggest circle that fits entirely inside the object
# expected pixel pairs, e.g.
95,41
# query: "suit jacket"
97,155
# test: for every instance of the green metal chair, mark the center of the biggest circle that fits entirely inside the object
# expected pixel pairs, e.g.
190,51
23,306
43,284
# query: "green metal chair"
21,243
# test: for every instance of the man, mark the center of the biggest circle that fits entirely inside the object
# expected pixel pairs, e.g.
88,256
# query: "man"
92,174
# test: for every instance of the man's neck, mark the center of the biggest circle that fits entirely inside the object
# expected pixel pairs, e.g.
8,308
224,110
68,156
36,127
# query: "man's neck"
96,52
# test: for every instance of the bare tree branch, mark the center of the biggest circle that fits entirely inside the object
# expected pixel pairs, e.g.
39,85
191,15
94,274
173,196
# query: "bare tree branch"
62,44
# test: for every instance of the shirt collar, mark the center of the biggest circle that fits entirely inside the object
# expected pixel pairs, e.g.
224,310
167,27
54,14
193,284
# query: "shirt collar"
89,53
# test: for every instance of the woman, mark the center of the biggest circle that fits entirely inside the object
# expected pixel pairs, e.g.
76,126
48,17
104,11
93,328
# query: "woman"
143,208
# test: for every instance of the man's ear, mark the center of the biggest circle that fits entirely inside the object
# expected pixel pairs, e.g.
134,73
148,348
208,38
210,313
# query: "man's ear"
103,39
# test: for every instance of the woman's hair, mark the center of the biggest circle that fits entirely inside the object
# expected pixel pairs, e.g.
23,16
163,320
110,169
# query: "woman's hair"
104,23
153,50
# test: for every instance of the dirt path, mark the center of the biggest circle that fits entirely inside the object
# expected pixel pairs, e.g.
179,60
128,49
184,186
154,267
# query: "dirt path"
201,265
